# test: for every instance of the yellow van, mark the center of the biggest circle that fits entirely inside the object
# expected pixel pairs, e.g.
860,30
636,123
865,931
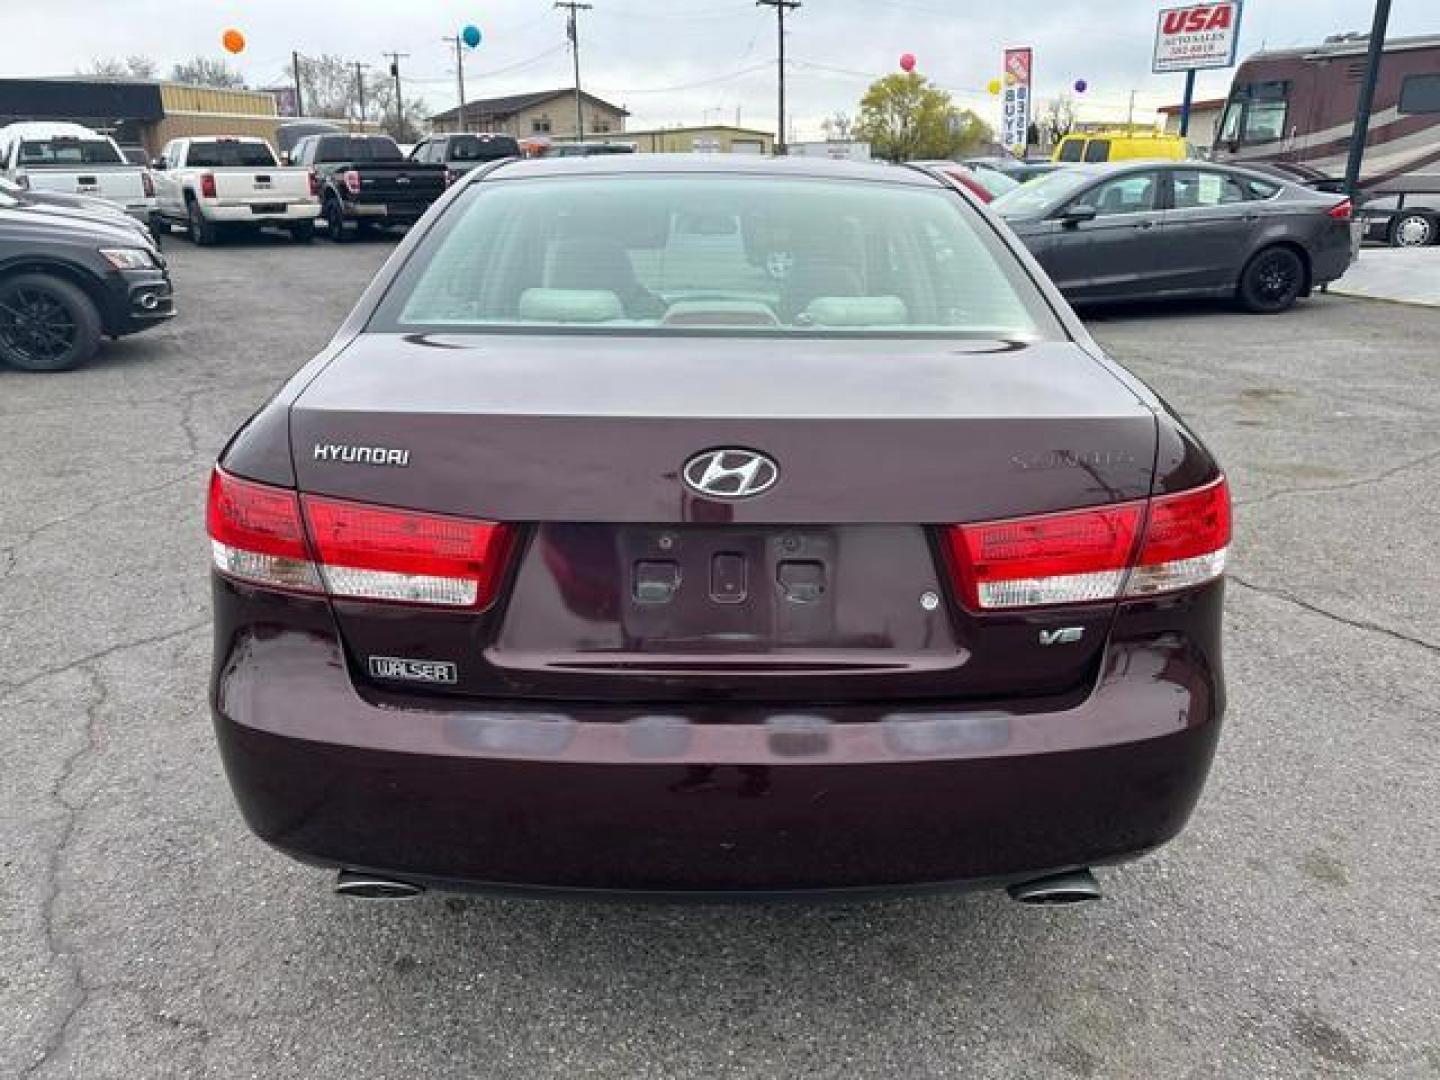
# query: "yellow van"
1123,146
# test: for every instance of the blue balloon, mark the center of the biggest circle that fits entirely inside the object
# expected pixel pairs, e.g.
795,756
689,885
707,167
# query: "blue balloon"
471,36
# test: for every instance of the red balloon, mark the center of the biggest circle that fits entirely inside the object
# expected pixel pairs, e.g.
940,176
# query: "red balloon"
907,62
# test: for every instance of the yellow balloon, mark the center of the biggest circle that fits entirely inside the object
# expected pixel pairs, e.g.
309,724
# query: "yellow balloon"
993,86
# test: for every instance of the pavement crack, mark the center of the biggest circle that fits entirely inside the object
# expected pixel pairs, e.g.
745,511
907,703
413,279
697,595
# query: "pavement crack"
1358,624
1344,485
54,869
30,535
9,689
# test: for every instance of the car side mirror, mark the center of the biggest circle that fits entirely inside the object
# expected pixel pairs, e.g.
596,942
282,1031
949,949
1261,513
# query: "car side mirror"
158,164
1074,215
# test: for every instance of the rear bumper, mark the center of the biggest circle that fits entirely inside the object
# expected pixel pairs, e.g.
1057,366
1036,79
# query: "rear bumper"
293,213
712,798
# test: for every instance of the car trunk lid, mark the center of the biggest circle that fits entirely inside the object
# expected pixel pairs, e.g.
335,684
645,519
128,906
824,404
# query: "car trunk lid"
626,584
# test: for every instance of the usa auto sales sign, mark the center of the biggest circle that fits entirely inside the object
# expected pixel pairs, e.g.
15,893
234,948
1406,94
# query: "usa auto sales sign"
1197,36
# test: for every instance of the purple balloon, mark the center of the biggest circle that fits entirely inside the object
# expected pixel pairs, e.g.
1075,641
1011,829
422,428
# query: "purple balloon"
1081,86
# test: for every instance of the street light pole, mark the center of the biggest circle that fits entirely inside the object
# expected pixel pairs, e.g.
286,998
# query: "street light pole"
1367,97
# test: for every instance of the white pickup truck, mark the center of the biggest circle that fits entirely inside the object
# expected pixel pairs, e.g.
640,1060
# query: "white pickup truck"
69,159
207,184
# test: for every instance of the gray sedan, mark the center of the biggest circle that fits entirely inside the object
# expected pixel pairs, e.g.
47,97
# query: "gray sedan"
1152,230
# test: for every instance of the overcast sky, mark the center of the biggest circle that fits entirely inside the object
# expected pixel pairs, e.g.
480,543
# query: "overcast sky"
682,61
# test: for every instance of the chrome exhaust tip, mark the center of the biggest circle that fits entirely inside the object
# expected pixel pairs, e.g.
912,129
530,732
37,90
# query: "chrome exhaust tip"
1071,887
363,886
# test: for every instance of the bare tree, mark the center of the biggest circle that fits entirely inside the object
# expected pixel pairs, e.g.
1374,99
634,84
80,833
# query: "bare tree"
1056,119
132,67
328,86
838,126
203,71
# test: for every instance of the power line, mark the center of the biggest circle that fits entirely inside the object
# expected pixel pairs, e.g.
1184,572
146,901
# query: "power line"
572,29
780,6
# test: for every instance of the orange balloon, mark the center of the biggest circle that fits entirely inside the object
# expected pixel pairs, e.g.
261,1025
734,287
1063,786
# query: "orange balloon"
233,40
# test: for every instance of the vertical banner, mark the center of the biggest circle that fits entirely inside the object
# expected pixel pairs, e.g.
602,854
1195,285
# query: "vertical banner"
1015,123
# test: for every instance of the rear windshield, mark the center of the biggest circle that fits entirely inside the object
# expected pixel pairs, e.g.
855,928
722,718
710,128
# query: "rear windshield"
221,154
43,152
668,253
357,148
475,148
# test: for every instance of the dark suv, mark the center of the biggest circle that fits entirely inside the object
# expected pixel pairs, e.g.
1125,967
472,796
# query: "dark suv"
714,525
460,153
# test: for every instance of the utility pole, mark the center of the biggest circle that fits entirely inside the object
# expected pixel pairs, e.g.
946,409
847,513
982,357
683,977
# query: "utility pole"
780,6
360,91
459,44
572,28
1367,97
395,58
295,67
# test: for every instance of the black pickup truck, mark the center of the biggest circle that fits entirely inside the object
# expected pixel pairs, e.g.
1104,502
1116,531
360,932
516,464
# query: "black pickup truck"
366,180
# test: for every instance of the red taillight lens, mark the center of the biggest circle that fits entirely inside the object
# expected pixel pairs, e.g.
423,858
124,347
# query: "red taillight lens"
270,536
1093,555
352,181
1342,211
382,554
314,182
970,184
207,185
256,534
147,184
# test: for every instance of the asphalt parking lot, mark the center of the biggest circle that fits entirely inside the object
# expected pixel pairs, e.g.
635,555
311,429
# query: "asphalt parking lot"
1293,930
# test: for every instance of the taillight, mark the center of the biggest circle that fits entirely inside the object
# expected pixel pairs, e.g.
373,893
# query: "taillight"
1186,540
147,184
1129,549
970,184
256,534
1342,211
314,183
352,181
207,185
22,180
270,536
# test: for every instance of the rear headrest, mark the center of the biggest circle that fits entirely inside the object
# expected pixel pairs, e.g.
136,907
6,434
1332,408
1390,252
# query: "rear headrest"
570,306
857,311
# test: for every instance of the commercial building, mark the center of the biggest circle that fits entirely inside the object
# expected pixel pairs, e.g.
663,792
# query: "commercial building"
544,114
139,112
1204,120
706,139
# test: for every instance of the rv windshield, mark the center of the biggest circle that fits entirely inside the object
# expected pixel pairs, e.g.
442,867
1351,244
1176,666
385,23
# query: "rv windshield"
1257,112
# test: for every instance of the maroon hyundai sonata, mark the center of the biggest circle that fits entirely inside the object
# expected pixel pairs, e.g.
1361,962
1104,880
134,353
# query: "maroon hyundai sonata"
696,526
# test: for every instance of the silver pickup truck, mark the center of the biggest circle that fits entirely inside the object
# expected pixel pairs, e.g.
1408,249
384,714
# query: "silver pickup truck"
70,159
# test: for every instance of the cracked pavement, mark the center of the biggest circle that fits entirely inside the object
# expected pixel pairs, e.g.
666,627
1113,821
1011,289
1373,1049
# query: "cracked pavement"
1291,931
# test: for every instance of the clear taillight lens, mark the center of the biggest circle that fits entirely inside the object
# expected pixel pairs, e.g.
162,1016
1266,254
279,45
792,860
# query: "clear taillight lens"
352,181
314,182
274,537
147,184
1133,549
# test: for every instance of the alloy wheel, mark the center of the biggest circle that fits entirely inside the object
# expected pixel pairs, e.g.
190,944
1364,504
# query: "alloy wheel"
37,325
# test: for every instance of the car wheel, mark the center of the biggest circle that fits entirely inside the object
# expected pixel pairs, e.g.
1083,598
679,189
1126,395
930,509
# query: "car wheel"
334,220
202,232
1412,230
303,232
46,323
159,225
1272,280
